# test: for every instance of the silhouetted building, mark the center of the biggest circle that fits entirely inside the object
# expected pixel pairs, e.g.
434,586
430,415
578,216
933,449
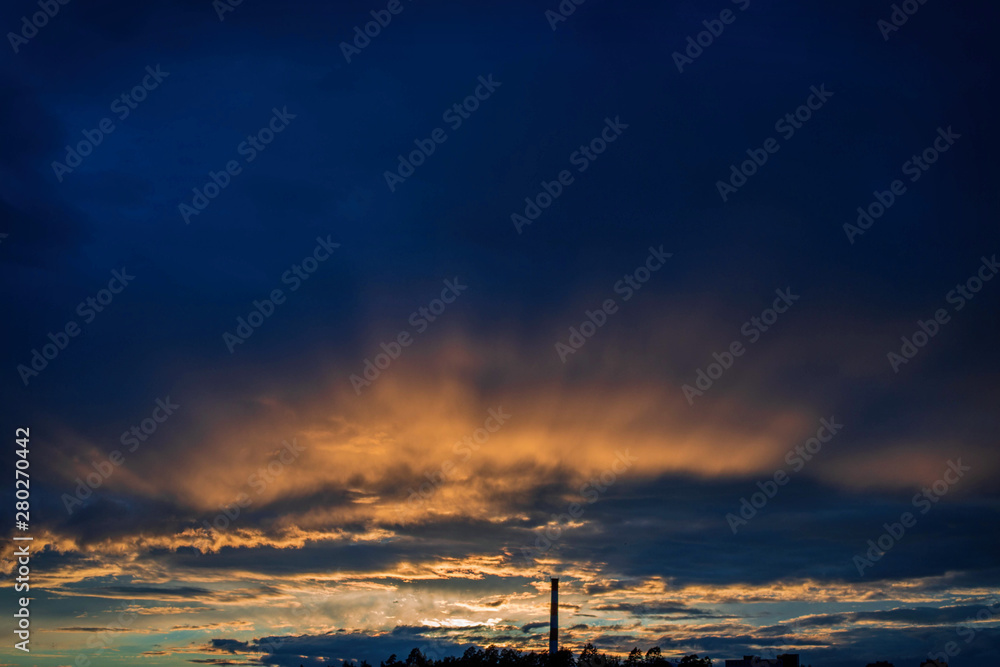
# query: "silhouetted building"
880,663
554,619
933,663
785,660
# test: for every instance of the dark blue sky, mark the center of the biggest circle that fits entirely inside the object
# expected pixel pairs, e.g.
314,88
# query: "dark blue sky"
653,559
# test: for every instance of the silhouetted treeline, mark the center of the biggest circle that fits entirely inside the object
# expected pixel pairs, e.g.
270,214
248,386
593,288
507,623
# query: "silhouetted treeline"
507,657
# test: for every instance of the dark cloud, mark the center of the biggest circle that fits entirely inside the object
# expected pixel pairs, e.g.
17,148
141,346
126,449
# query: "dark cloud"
528,627
656,609
915,616
157,592
283,651
230,645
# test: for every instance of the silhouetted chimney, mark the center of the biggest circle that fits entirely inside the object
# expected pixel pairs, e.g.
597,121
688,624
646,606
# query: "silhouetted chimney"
554,620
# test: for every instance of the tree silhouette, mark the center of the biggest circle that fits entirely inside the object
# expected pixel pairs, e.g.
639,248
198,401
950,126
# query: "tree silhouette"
589,656
416,659
654,658
563,658
493,656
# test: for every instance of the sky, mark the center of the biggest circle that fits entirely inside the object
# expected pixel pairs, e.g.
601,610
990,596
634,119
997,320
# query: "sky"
330,344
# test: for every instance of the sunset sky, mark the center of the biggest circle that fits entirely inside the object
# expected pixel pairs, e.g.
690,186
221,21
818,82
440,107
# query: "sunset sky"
332,406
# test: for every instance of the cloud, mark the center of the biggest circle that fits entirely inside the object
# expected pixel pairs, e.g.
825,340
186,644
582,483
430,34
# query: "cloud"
310,649
230,645
660,608
528,627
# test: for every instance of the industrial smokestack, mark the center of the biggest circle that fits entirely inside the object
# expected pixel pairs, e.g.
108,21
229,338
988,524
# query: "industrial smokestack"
554,620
